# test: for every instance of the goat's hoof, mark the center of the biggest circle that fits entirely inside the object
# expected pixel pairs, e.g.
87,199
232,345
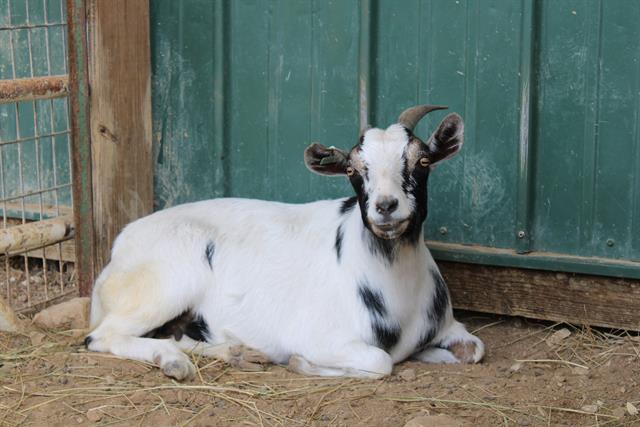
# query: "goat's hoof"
180,369
298,364
247,359
467,351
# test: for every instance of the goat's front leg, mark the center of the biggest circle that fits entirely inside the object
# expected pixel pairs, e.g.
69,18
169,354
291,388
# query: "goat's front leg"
454,345
236,355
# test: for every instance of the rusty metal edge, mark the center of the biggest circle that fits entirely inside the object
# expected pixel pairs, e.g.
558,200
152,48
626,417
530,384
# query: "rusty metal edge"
81,144
33,88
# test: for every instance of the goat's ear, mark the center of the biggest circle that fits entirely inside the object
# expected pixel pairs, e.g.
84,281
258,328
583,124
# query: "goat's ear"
447,140
325,161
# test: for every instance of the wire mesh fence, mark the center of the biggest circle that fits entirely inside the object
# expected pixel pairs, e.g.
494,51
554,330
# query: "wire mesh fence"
35,153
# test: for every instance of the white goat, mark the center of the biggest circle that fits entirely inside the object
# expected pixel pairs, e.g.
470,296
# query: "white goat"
329,288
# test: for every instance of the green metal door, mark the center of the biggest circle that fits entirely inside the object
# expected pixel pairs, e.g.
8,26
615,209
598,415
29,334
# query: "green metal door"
550,94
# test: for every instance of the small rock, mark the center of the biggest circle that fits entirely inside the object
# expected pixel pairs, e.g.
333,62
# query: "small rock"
79,420
408,374
72,314
557,337
592,409
515,367
36,337
94,415
619,412
434,421
631,409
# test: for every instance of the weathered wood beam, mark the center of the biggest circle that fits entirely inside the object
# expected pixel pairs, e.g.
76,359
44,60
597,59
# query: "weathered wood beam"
81,145
564,297
32,235
33,88
120,111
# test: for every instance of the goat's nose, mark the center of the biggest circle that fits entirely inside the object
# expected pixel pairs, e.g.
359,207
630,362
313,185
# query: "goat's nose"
386,205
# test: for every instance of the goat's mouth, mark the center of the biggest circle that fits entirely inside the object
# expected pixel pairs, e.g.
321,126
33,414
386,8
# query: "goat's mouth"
389,230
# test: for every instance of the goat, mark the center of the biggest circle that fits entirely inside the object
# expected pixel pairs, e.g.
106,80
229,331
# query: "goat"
341,287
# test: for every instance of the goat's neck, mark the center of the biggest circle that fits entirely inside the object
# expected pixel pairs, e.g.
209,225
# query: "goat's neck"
386,257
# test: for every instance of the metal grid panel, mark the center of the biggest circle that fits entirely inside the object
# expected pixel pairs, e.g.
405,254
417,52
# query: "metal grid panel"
35,156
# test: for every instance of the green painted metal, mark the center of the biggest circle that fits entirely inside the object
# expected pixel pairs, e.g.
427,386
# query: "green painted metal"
34,135
550,94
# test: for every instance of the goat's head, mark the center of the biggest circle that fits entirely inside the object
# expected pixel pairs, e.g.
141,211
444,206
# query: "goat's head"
388,169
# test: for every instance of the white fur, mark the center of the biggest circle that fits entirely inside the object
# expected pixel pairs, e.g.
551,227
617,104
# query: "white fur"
275,283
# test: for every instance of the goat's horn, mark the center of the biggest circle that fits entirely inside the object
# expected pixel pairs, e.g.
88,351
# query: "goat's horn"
411,116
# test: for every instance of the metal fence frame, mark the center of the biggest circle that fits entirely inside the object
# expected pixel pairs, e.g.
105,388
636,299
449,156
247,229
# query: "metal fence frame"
35,230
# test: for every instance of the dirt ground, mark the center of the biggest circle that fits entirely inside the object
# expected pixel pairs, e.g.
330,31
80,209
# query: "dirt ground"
534,374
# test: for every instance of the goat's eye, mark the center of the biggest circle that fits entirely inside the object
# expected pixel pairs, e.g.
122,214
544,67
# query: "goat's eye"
424,162
350,171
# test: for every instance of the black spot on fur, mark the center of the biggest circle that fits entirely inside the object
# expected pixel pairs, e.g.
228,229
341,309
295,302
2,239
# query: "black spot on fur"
372,300
385,249
209,251
88,341
409,133
186,323
338,244
441,296
387,336
436,312
197,329
348,205
386,332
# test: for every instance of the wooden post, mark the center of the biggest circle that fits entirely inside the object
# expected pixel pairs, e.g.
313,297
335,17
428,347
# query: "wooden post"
81,145
120,117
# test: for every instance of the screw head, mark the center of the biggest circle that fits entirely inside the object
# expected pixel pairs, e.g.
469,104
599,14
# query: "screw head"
443,230
521,234
611,242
